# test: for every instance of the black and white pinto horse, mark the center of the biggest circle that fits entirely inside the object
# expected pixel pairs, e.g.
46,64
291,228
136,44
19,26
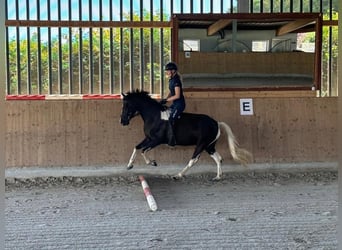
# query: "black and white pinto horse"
190,129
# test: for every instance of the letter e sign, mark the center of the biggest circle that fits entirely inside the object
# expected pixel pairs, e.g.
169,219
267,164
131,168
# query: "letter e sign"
246,106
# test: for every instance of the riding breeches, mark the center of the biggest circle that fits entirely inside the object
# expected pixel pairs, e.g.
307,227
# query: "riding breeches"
175,113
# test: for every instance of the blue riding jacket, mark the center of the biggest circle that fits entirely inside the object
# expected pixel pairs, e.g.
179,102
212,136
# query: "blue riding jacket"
177,107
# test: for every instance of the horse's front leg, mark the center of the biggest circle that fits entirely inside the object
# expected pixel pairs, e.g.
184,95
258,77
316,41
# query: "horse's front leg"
134,154
148,161
131,160
146,145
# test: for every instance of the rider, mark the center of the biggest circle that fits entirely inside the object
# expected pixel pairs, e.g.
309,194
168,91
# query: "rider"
176,97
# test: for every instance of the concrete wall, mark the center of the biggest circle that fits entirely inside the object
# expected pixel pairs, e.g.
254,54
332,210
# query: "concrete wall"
75,132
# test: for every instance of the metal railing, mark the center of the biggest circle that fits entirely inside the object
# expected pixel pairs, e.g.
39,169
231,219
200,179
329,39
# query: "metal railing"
109,47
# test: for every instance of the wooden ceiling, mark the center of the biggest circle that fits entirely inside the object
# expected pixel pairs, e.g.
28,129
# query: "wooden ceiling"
282,23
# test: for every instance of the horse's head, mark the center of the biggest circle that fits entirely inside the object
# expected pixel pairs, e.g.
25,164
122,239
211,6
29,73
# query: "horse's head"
139,102
129,110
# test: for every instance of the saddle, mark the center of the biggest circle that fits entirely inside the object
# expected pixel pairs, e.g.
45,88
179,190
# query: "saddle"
164,115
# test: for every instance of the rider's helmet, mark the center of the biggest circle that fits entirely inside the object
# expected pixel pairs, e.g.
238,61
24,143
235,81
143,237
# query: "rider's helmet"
171,66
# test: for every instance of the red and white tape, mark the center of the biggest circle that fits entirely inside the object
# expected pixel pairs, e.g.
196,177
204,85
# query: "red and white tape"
147,191
69,97
63,97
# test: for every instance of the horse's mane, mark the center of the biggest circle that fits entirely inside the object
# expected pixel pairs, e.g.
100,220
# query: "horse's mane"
142,95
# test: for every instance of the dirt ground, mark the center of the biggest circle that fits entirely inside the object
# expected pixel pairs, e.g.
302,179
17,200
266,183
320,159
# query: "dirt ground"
251,210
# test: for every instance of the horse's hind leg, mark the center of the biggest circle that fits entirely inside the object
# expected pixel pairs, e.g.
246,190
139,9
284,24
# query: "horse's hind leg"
190,164
198,150
194,159
218,159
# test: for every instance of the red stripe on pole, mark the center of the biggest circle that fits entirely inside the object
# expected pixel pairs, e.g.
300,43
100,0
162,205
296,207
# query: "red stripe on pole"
148,195
25,97
62,97
147,191
105,96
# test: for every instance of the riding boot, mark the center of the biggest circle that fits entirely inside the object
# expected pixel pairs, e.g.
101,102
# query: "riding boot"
171,134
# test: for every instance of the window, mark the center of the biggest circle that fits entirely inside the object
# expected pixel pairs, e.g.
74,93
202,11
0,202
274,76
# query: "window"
191,45
260,46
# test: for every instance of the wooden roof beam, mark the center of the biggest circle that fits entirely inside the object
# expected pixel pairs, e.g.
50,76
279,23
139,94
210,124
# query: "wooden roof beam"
295,25
217,26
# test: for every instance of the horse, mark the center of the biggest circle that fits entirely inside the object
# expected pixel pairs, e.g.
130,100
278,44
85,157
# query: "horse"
190,129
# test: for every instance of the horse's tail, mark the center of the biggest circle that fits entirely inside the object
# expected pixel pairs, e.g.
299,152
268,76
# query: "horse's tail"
239,154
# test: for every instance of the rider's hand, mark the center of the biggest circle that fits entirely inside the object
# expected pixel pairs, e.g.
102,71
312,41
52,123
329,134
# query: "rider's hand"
163,101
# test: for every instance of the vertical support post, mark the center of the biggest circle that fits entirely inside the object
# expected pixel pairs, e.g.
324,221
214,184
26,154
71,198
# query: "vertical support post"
2,115
174,41
234,35
49,50
318,53
101,77
28,49
80,50
141,47
71,71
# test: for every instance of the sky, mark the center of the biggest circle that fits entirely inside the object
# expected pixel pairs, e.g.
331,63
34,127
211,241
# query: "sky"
82,11
75,11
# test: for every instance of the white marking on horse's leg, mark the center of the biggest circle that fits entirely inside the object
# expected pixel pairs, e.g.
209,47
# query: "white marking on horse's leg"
131,160
147,160
218,159
190,164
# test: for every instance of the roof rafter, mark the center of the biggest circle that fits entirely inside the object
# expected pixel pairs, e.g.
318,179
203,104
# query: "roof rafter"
292,26
217,26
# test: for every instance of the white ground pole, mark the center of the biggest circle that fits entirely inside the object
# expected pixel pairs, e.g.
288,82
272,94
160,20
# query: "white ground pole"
149,197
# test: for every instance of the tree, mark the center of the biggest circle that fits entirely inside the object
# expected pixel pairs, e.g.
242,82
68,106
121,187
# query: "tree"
102,46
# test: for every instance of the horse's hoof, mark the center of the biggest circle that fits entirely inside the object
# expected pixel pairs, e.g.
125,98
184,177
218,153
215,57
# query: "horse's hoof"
130,167
154,163
177,177
216,179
